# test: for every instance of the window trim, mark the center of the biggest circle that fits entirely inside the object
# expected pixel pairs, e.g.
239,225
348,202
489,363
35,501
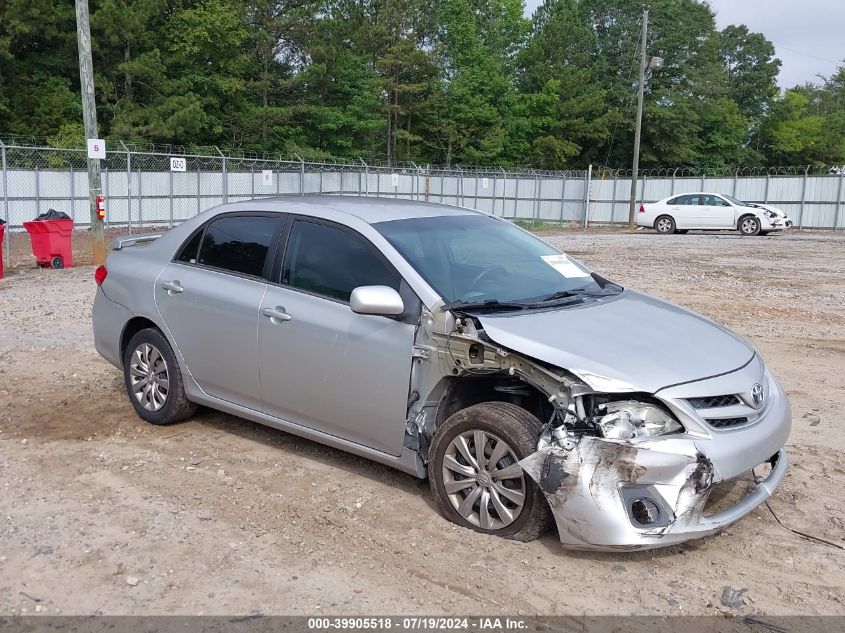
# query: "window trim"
272,250
284,244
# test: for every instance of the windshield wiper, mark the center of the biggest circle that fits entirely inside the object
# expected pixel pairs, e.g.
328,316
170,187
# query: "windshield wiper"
578,292
490,304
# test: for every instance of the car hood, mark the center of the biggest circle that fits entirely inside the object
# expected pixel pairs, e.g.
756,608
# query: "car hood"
631,342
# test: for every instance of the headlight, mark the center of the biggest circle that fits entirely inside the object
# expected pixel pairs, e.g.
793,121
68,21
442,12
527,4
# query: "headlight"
624,420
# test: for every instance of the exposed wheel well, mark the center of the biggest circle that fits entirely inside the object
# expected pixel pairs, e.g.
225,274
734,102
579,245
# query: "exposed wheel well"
743,216
132,327
465,391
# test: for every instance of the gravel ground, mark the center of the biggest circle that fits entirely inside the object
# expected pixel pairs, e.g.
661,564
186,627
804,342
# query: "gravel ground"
103,514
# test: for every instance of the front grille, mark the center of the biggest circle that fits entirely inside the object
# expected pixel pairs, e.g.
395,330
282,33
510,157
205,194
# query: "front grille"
726,423
712,402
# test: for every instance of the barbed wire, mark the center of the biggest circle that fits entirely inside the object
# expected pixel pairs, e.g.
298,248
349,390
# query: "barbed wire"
40,152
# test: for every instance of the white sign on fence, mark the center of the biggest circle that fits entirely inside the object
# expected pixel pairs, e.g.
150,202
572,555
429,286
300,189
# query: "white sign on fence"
96,148
178,164
484,183
394,179
267,177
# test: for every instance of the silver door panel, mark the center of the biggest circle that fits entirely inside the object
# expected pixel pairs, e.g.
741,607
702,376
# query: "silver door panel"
335,371
213,320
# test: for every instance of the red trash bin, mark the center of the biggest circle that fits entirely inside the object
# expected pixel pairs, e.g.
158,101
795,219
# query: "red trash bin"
51,242
2,231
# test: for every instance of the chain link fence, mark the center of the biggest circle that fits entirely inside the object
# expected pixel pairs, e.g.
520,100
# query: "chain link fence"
144,186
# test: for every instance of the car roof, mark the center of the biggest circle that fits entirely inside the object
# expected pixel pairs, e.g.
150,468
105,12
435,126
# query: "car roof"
370,210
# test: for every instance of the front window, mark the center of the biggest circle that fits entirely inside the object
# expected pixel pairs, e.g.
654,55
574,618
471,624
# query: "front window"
332,262
476,259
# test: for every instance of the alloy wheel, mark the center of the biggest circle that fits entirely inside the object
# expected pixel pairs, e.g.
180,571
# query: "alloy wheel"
150,381
664,225
482,479
749,226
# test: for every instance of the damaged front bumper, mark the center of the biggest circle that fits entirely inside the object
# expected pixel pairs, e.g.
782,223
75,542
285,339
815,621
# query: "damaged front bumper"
652,492
611,495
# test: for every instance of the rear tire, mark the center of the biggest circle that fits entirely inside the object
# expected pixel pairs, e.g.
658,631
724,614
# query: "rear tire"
749,225
665,225
153,379
498,497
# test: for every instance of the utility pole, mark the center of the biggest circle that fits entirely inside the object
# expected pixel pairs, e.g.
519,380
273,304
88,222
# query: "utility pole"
89,115
636,166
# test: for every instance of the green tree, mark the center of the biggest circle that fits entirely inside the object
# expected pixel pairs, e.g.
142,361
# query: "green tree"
752,69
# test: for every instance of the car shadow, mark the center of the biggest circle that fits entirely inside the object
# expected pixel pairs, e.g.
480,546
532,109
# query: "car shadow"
310,449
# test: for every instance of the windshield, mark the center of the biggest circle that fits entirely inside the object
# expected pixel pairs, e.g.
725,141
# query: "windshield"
477,259
733,200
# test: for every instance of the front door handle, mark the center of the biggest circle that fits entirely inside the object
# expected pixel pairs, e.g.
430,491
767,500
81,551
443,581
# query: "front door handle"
276,315
172,287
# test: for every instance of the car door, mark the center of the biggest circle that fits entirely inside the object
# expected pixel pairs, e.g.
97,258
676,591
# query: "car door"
209,298
719,213
322,365
679,209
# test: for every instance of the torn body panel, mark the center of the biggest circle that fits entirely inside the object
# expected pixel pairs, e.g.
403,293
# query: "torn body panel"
607,494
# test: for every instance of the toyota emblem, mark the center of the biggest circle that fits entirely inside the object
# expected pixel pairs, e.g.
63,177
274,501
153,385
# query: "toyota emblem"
757,394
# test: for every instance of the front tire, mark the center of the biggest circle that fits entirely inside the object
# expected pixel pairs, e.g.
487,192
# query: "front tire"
749,225
474,475
153,379
665,225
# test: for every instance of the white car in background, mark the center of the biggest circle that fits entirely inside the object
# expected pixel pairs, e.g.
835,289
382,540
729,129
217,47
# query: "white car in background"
711,212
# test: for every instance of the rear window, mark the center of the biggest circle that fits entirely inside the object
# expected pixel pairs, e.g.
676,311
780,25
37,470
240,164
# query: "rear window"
238,244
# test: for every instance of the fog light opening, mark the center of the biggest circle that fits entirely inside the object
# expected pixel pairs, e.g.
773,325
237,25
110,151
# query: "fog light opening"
645,511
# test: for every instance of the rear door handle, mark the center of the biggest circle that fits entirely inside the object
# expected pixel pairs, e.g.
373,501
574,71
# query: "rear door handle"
276,315
172,287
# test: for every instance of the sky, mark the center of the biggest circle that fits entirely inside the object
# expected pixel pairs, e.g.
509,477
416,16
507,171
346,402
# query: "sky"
809,35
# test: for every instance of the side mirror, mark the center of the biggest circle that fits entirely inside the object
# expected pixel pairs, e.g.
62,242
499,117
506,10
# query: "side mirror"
382,300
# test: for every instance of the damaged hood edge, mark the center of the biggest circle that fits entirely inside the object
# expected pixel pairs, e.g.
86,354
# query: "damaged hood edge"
633,342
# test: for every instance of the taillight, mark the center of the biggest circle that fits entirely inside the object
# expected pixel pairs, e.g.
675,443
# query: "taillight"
100,275
642,208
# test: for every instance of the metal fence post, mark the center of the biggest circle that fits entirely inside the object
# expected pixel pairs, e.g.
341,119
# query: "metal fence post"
702,181
199,209
140,199
8,244
838,200
301,175
803,196
587,196
562,198
642,190
613,204
672,191
736,177
504,189
106,192
73,196
170,197
766,194
225,175
37,190
128,188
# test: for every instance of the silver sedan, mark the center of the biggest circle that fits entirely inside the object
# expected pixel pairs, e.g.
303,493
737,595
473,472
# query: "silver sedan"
452,345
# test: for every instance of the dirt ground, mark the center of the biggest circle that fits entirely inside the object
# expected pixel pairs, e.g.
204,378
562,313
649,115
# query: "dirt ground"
101,513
